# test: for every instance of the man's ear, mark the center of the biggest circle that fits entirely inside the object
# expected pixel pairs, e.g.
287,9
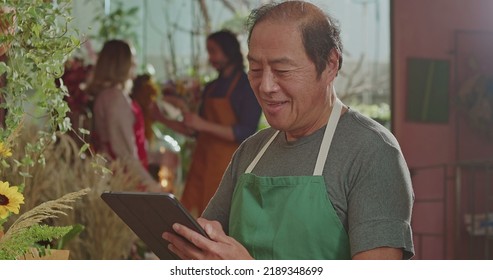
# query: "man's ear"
333,62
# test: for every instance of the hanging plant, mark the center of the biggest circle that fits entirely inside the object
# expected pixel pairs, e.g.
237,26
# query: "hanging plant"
35,41
38,43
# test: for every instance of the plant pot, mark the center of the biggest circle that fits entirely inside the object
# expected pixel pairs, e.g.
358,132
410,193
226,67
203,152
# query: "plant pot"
51,254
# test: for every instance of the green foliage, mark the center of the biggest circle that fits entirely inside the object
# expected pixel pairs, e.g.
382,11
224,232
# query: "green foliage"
39,43
74,231
118,24
379,112
39,46
19,244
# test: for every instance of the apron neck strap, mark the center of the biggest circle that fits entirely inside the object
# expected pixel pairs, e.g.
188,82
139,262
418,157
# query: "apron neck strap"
324,147
233,84
261,153
328,135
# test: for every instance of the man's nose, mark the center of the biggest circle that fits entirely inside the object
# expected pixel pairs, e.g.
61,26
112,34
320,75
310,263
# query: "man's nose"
268,84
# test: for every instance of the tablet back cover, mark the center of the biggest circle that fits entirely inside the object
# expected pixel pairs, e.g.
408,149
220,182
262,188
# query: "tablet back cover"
149,215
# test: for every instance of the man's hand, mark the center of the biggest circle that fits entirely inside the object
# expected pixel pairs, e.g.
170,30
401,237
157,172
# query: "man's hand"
190,245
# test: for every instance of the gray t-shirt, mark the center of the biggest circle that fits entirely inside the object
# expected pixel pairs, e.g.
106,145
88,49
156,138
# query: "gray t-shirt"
367,179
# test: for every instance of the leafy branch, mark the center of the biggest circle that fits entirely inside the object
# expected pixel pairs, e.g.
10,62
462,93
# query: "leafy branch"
39,42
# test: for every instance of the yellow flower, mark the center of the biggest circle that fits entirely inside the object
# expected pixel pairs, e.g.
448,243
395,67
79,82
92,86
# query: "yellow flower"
4,151
10,200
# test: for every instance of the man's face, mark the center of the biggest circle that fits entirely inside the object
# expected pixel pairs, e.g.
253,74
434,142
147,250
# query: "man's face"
285,80
217,58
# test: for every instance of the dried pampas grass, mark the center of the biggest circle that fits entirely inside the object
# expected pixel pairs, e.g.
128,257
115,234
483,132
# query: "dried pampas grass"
105,236
46,210
27,229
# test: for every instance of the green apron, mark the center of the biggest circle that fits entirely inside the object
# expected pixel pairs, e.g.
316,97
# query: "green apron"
289,217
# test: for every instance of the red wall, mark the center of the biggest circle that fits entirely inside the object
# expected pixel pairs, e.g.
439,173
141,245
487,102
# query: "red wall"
427,29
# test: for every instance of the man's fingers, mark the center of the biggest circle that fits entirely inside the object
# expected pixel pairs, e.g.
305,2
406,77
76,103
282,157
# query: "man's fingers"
214,230
189,244
177,252
182,247
192,236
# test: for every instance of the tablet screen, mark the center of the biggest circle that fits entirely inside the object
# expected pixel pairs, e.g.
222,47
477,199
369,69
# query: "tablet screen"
149,215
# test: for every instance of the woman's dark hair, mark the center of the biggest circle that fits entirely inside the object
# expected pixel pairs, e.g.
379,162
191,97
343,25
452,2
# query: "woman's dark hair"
319,31
230,46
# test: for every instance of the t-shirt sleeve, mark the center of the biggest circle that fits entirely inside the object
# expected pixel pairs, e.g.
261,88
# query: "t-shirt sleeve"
380,202
219,206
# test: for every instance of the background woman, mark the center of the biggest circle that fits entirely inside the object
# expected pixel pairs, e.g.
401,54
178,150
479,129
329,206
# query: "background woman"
119,129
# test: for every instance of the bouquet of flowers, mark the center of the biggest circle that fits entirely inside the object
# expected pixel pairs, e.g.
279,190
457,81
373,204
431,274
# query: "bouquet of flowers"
183,93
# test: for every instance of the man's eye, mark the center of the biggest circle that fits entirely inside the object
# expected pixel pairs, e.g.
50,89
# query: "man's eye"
282,71
255,71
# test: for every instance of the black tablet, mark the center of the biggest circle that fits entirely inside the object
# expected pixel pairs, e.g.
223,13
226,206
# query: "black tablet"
149,215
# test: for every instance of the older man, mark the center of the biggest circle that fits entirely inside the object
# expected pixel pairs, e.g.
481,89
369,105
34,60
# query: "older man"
324,182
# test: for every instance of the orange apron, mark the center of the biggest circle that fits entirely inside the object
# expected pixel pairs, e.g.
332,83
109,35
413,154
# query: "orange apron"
212,154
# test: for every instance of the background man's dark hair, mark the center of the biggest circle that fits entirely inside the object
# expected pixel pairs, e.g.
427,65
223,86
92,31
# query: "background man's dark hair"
230,46
320,33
